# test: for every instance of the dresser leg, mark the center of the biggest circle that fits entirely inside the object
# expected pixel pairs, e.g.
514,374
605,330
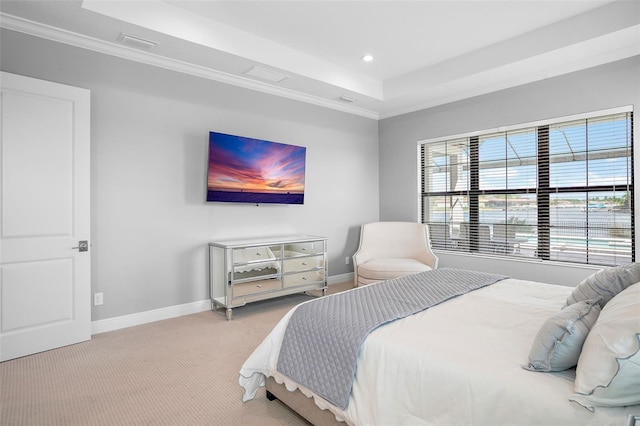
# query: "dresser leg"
229,313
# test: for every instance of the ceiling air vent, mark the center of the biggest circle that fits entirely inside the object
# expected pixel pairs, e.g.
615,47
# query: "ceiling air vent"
344,98
265,74
136,42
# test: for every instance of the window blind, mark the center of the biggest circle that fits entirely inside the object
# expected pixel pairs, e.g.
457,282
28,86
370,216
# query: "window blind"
560,191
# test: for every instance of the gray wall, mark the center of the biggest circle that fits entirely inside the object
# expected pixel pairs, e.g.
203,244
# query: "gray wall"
150,224
149,131
608,86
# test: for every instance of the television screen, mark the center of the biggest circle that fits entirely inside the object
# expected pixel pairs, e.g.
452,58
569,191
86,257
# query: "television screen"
245,170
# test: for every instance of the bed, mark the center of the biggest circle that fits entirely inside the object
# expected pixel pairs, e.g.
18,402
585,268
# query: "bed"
460,362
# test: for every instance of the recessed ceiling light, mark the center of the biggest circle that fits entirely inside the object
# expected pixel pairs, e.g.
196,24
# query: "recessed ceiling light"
367,58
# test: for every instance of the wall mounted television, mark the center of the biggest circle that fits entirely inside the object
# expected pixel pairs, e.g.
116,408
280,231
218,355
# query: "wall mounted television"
246,170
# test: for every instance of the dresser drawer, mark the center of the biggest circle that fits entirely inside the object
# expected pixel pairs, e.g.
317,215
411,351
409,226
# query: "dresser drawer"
303,278
256,287
249,255
256,269
303,263
303,249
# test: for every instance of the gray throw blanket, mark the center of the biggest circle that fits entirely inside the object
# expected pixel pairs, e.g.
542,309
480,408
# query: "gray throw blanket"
323,337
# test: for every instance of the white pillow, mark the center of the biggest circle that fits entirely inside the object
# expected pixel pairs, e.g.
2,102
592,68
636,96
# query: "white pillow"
559,341
608,372
605,284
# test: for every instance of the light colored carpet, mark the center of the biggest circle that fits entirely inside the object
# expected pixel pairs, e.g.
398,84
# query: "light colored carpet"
181,371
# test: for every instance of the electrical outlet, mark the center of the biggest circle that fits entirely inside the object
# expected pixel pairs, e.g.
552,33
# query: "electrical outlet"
346,260
98,299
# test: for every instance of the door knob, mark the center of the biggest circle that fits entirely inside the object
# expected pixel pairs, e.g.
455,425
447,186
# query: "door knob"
82,246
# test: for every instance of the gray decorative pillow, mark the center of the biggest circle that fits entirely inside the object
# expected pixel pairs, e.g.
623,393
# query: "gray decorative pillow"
558,344
605,284
608,372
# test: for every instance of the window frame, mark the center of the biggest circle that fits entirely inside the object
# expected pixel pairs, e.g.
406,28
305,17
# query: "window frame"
542,189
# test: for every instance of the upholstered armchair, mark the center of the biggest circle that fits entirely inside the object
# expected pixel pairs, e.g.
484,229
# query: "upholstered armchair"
391,250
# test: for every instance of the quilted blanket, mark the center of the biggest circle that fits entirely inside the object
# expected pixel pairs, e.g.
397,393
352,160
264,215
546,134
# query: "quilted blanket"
323,338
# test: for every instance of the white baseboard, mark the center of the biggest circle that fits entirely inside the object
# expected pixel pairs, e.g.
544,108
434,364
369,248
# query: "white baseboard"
335,279
124,321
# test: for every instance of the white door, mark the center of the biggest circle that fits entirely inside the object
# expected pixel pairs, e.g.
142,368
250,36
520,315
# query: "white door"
45,283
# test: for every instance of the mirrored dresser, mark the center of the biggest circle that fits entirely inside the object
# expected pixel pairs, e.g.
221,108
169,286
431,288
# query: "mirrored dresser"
248,270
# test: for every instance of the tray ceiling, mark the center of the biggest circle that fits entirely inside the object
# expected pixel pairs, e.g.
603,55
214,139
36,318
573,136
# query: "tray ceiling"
426,53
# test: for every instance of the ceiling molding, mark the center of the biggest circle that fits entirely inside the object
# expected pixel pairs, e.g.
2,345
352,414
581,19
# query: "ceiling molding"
495,67
48,32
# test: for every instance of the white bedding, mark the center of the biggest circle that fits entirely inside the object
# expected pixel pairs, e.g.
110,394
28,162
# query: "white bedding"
458,363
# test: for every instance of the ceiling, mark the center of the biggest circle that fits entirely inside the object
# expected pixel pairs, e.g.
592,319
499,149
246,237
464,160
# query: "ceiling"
426,53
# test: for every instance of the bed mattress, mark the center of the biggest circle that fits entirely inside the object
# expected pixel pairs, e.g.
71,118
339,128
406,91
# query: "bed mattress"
458,363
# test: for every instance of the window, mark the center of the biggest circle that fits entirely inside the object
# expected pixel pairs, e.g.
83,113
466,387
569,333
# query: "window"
560,190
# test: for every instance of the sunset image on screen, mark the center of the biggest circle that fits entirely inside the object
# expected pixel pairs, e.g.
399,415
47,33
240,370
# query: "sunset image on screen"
252,170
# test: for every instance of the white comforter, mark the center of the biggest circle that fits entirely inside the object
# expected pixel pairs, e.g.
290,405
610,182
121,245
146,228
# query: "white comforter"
458,363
